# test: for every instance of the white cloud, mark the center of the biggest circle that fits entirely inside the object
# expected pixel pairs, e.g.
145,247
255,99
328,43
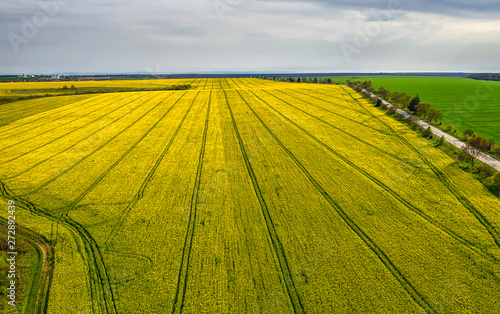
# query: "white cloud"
129,35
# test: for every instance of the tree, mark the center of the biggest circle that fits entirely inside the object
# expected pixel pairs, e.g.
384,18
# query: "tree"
449,128
469,132
379,103
442,140
329,80
298,80
401,99
434,115
486,171
464,156
382,92
315,80
496,180
413,103
368,85
475,146
427,132
495,150
422,109
405,100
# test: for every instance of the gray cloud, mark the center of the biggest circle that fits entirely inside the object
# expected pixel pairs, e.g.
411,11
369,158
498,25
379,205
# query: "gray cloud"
253,35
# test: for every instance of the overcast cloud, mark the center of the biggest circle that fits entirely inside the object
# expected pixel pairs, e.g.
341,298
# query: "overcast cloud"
113,36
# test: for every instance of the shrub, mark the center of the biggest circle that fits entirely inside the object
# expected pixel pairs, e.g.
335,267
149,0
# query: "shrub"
463,156
486,171
449,128
427,132
442,141
495,150
469,133
496,180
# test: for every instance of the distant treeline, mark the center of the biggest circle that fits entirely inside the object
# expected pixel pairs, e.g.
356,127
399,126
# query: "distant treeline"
73,90
290,79
485,76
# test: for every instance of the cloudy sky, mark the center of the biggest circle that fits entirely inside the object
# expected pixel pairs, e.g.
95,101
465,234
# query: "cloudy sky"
111,36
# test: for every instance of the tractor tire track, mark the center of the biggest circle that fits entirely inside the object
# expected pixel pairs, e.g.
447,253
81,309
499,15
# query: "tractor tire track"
385,153
180,291
48,131
330,102
446,182
125,154
332,112
71,146
410,289
32,107
97,149
241,85
47,114
97,261
99,287
390,191
277,246
57,138
51,121
234,82
140,193
325,93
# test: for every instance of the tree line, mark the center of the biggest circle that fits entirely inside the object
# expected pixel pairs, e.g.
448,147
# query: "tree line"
475,144
485,76
311,80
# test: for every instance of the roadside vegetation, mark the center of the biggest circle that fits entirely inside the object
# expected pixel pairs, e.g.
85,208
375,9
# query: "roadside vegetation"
466,158
425,112
410,104
466,103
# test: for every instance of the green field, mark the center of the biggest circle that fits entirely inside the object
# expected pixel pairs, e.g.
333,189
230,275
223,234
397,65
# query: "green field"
247,196
466,103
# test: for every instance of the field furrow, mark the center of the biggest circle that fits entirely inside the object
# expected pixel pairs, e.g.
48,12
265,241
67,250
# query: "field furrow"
292,200
112,147
52,116
278,247
231,249
403,160
32,144
188,242
359,232
446,182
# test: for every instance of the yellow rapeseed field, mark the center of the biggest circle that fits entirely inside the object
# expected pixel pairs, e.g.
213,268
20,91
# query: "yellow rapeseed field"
245,196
